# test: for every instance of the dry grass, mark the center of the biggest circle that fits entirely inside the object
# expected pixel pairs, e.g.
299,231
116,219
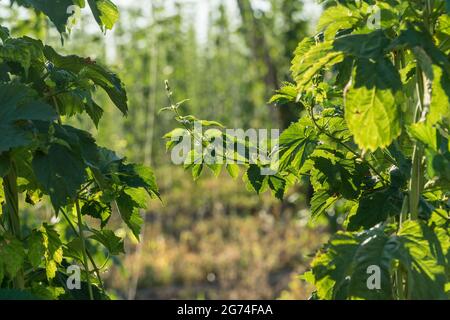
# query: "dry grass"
215,240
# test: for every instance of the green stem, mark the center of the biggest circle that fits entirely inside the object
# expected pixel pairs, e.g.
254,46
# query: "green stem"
415,185
404,212
399,284
91,259
424,88
57,109
12,203
12,214
192,133
83,245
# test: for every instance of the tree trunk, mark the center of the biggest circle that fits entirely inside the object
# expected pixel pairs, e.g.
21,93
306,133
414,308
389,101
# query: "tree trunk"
255,38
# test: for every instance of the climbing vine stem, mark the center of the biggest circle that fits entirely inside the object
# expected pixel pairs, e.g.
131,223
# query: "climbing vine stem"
83,245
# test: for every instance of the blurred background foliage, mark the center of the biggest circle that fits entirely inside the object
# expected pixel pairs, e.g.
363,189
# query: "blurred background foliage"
211,238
